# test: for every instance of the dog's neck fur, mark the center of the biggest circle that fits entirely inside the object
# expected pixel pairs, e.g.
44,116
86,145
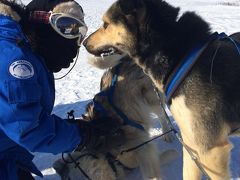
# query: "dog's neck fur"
170,41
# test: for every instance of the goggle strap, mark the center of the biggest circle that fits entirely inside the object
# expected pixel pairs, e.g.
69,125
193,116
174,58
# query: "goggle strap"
39,16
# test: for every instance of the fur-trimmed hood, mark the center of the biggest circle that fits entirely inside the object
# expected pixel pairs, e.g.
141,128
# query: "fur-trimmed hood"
8,11
9,25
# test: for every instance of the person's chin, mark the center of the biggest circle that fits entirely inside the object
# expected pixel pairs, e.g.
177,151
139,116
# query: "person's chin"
57,69
66,66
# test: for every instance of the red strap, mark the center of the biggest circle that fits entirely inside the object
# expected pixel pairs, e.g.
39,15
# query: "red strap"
40,16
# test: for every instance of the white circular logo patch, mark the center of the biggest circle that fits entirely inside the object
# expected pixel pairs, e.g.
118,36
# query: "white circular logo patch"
21,69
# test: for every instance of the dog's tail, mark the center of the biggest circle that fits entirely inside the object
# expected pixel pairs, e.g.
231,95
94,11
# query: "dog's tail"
106,61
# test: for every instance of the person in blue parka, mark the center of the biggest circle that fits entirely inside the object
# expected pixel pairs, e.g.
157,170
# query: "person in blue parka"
35,41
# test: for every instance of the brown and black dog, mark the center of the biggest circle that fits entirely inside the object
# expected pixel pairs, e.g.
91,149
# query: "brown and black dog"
206,104
134,96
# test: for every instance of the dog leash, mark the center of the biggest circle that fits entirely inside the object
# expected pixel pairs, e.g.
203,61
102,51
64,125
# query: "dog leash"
179,137
77,164
146,142
113,161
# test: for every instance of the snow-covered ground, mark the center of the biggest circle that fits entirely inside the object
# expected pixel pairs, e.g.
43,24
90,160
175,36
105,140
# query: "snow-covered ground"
75,90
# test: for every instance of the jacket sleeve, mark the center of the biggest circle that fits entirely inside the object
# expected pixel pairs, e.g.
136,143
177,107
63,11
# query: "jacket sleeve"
26,120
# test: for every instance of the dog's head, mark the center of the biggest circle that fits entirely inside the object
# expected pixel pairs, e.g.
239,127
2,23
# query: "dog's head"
131,26
98,110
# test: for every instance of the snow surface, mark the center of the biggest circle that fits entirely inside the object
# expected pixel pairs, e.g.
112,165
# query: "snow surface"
76,89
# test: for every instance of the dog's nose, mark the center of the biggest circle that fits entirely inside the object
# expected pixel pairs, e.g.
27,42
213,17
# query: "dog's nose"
88,47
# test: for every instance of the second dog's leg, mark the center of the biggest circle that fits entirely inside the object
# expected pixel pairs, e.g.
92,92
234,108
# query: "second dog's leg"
148,158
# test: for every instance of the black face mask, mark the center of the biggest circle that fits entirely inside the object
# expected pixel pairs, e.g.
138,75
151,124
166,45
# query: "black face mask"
56,51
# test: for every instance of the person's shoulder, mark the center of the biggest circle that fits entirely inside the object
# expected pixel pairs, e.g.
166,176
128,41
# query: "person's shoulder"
15,61
10,50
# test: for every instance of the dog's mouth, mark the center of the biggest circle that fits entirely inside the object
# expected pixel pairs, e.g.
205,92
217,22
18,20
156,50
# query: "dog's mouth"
107,51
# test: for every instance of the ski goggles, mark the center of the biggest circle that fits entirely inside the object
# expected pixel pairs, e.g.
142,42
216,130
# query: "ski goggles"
64,24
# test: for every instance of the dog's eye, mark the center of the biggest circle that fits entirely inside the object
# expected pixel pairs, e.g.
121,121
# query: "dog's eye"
105,25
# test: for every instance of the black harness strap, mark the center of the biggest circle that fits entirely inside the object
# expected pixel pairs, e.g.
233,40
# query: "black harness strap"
77,164
112,160
146,142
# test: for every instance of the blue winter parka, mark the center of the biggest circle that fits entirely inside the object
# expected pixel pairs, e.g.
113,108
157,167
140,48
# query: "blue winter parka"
27,95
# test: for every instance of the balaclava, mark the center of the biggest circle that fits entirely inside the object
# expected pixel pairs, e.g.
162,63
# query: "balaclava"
57,51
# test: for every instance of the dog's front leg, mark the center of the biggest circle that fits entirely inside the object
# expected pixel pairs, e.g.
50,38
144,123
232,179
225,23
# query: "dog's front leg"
212,150
190,169
148,158
215,162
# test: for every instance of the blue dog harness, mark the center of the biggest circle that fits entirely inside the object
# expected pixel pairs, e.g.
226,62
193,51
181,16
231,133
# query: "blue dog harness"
183,69
109,94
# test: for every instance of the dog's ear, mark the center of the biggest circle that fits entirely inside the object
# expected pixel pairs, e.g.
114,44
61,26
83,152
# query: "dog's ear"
130,6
